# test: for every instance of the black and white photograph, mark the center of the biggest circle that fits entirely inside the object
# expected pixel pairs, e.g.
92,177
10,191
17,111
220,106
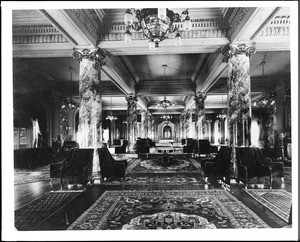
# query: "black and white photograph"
122,120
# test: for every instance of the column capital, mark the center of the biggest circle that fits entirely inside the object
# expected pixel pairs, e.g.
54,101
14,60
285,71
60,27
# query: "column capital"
92,55
231,50
200,95
131,97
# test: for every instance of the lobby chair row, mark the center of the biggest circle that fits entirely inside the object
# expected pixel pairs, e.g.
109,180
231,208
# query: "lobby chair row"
251,163
77,167
200,147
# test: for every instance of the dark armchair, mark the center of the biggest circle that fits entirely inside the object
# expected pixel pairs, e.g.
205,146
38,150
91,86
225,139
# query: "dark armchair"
109,167
277,167
121,149
204,147
220,166
78,167
249,165
143,146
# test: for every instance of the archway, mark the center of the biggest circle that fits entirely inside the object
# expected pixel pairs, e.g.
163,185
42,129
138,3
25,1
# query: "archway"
167,132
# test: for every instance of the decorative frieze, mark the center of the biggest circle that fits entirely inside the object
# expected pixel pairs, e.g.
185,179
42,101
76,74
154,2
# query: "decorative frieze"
238,19
87,21
193,34
197,24
39,39
34,29
275,31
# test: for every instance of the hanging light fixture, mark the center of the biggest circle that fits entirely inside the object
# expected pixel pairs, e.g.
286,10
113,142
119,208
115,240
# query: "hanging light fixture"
69,102
222,115
266,99
111,117
156,24
165,103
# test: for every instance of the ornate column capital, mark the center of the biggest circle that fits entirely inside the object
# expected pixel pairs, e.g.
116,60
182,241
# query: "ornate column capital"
200,96
94,55
131,98
231,50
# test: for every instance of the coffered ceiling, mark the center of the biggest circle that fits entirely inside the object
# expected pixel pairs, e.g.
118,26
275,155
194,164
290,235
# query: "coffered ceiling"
43,41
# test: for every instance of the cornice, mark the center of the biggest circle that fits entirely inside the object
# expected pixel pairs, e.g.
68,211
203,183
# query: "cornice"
39,39
193,34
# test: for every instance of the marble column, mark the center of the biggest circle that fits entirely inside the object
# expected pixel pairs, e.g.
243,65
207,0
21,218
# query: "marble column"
144,124
64,123
188,122
90,100
269,123
200,115
131,122
183,123
239,97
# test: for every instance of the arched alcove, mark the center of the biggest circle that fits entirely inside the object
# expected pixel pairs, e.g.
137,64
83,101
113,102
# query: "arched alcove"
167,132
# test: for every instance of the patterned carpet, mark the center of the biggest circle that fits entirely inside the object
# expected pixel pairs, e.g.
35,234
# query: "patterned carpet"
167,209
23,176
31,215
278,201
150,180
178,165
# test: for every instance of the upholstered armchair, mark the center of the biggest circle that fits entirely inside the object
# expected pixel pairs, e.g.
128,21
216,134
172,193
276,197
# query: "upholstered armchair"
277,167
78,168
121,149
207,159
204,147
109,167
56,168
219,167
143,146
249,165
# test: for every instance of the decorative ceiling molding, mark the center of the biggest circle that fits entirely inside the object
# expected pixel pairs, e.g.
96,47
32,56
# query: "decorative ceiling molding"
35,50
85,22
198,66
260,29
130,68
35,39
53,17
100,13
197,25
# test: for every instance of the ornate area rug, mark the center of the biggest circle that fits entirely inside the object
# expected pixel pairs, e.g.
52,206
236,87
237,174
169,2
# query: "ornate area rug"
167,209
179,165
149,180
23,176
31,215
278,201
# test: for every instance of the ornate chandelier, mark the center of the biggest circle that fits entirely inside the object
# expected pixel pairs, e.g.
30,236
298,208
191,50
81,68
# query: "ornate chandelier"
165,103
156,24
111,117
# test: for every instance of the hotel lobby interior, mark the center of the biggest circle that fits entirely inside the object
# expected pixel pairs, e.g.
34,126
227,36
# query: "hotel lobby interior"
153,119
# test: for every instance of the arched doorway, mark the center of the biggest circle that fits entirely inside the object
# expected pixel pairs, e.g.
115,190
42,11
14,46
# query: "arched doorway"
167,132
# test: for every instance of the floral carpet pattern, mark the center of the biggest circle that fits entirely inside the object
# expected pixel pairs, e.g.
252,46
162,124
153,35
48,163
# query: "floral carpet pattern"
278,201
33,214
167,209
179,165
149,180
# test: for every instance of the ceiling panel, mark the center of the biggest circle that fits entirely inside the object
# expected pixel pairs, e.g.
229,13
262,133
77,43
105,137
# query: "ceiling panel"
149,67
